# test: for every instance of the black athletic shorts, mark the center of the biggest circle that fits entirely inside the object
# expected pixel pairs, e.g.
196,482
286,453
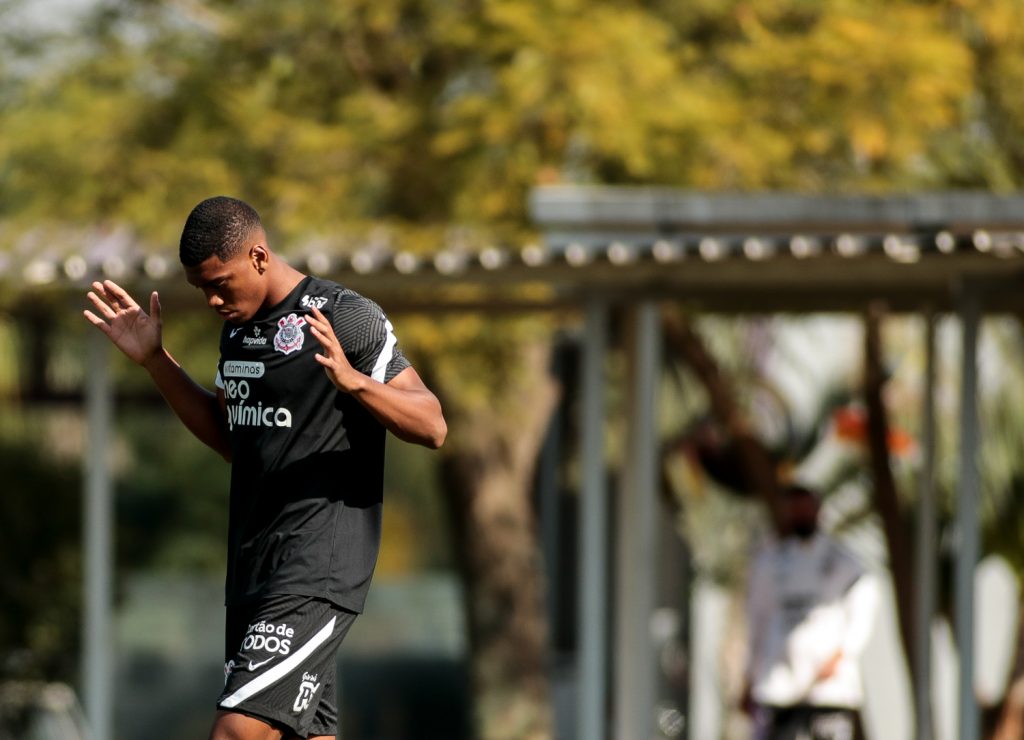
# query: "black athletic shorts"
804,722
280,662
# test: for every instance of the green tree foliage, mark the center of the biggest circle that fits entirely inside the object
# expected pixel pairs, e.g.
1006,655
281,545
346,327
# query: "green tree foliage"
991,151
432,112
41,573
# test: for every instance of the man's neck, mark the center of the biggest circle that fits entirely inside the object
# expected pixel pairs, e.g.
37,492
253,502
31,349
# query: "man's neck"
282,281
803,540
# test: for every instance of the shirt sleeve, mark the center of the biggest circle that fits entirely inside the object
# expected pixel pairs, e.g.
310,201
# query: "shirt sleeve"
367,337
219,378
760,598
861,604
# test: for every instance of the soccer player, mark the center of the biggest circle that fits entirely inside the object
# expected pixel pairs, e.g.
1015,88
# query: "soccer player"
309,378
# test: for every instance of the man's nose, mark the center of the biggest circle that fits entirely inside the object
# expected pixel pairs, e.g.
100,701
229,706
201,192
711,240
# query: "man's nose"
213,300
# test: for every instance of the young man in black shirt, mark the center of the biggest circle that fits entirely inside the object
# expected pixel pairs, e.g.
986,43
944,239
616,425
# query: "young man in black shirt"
309,379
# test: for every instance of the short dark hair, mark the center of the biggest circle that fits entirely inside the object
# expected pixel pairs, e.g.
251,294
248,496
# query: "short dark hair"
217,226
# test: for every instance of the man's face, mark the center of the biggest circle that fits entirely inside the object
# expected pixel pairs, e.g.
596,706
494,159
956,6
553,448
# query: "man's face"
235,289
802,515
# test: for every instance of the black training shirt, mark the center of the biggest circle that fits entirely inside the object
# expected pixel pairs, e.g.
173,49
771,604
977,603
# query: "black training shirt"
307,459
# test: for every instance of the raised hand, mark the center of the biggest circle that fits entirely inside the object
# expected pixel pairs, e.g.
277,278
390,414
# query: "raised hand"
339,370
138,334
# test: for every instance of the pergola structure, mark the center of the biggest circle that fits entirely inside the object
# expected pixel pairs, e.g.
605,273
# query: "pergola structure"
946,252
958,253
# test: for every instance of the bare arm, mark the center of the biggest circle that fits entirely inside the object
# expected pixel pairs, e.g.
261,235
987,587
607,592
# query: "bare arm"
405,406
140,337
201,411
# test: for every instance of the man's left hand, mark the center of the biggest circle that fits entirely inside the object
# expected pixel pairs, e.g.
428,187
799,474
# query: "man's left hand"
345,377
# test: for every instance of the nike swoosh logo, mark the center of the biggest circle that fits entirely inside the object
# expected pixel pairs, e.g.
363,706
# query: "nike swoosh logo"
233,332
254,666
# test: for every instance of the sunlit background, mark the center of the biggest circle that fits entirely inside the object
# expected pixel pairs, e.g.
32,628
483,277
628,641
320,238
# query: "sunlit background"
405,147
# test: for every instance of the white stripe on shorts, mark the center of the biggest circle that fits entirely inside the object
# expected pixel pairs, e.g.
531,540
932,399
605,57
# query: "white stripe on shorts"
282,669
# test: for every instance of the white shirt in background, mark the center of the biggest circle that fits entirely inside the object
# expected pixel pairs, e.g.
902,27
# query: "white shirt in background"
807,601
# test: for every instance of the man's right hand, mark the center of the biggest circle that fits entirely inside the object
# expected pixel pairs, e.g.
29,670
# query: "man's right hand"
138,334
829,668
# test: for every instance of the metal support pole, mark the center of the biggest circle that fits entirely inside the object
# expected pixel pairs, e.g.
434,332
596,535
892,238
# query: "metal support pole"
925,553
591,720
635,656
968,534
97,645
549,498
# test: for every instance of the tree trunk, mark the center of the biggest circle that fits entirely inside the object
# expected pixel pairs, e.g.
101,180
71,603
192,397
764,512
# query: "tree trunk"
895,524
488,480
758,467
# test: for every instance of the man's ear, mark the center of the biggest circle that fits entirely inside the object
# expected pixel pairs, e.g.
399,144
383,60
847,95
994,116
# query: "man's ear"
259,258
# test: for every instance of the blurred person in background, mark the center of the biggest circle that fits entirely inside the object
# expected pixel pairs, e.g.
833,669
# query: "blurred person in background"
303,425
811,609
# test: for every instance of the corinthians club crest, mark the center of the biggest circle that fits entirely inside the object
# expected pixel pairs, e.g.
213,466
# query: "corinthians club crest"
289,335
